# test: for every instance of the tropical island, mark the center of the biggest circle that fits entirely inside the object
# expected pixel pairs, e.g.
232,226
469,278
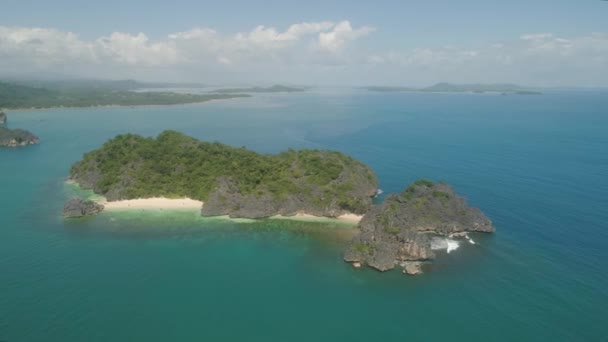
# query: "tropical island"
175,170
444,87
14,137
277,88
28,95
229,180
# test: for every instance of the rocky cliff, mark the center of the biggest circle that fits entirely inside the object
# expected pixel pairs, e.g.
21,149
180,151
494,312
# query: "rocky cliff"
399,231
2,118
77,207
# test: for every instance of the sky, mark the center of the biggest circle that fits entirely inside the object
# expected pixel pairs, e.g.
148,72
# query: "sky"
409,43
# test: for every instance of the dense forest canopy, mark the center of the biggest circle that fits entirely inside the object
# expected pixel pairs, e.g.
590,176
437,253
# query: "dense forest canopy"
175,165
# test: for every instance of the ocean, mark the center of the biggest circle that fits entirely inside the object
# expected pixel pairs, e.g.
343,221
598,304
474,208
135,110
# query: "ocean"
537,166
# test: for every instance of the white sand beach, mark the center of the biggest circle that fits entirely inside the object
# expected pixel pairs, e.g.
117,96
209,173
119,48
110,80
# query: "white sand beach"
162,203
159,203
354,218
350,218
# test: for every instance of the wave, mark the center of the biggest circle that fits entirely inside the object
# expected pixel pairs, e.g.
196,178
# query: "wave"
438,243
378,192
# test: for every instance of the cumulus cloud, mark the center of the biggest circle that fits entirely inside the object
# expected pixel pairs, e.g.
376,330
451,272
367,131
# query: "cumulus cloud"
135,50
319,52
341,34
44,47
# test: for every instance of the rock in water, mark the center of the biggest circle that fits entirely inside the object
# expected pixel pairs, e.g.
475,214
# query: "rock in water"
399,229
16,137
77,207
412,267
2,118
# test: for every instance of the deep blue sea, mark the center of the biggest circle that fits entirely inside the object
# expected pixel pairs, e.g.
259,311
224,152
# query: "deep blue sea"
536,165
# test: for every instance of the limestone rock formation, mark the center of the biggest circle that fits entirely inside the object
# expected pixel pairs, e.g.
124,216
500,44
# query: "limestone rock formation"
400,229
16,137
77,207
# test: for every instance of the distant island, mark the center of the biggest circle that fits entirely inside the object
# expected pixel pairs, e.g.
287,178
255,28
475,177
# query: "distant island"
273,89
177,171
91,94
14,137
504,89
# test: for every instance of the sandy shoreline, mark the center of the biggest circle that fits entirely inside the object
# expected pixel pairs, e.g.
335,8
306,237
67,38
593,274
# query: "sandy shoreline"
158,203
350,218
162,203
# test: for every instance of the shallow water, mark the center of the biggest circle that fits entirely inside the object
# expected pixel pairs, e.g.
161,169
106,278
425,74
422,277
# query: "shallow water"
536,165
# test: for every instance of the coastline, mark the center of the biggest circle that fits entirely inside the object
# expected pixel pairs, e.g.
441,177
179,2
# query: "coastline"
346,218
153,203
170,204
32,109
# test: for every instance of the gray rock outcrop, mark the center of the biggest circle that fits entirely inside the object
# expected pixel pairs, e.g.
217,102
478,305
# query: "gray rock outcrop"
16,137
2,118
77,207
399,230
412,267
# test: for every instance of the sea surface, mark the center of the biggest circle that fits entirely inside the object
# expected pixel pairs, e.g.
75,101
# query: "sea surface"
536,165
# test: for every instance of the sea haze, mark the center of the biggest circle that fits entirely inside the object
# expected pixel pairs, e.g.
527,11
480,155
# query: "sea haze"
536,165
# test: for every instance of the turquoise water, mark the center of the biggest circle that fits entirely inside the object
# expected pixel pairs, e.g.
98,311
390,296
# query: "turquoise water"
536,165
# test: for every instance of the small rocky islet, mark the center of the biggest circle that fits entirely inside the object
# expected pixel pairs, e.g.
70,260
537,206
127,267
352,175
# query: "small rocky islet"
77,207
400,229
244,184
14,137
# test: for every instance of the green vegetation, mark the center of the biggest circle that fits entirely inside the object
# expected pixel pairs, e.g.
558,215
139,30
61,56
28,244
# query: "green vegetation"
410,191
393,230
13,96
364,248
274,89
442,196
175,165
423,182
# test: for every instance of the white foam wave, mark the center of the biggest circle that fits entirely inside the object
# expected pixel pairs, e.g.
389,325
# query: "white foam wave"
452,245
378,192
449,245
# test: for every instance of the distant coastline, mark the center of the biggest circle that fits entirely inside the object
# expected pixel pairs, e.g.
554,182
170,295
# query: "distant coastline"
25,109
18,96
491,88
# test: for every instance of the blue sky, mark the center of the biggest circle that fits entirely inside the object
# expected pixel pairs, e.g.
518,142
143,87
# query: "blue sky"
392,42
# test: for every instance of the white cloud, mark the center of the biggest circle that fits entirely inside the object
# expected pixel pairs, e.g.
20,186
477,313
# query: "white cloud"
305,52
46,47
538,59
136,50
341,34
